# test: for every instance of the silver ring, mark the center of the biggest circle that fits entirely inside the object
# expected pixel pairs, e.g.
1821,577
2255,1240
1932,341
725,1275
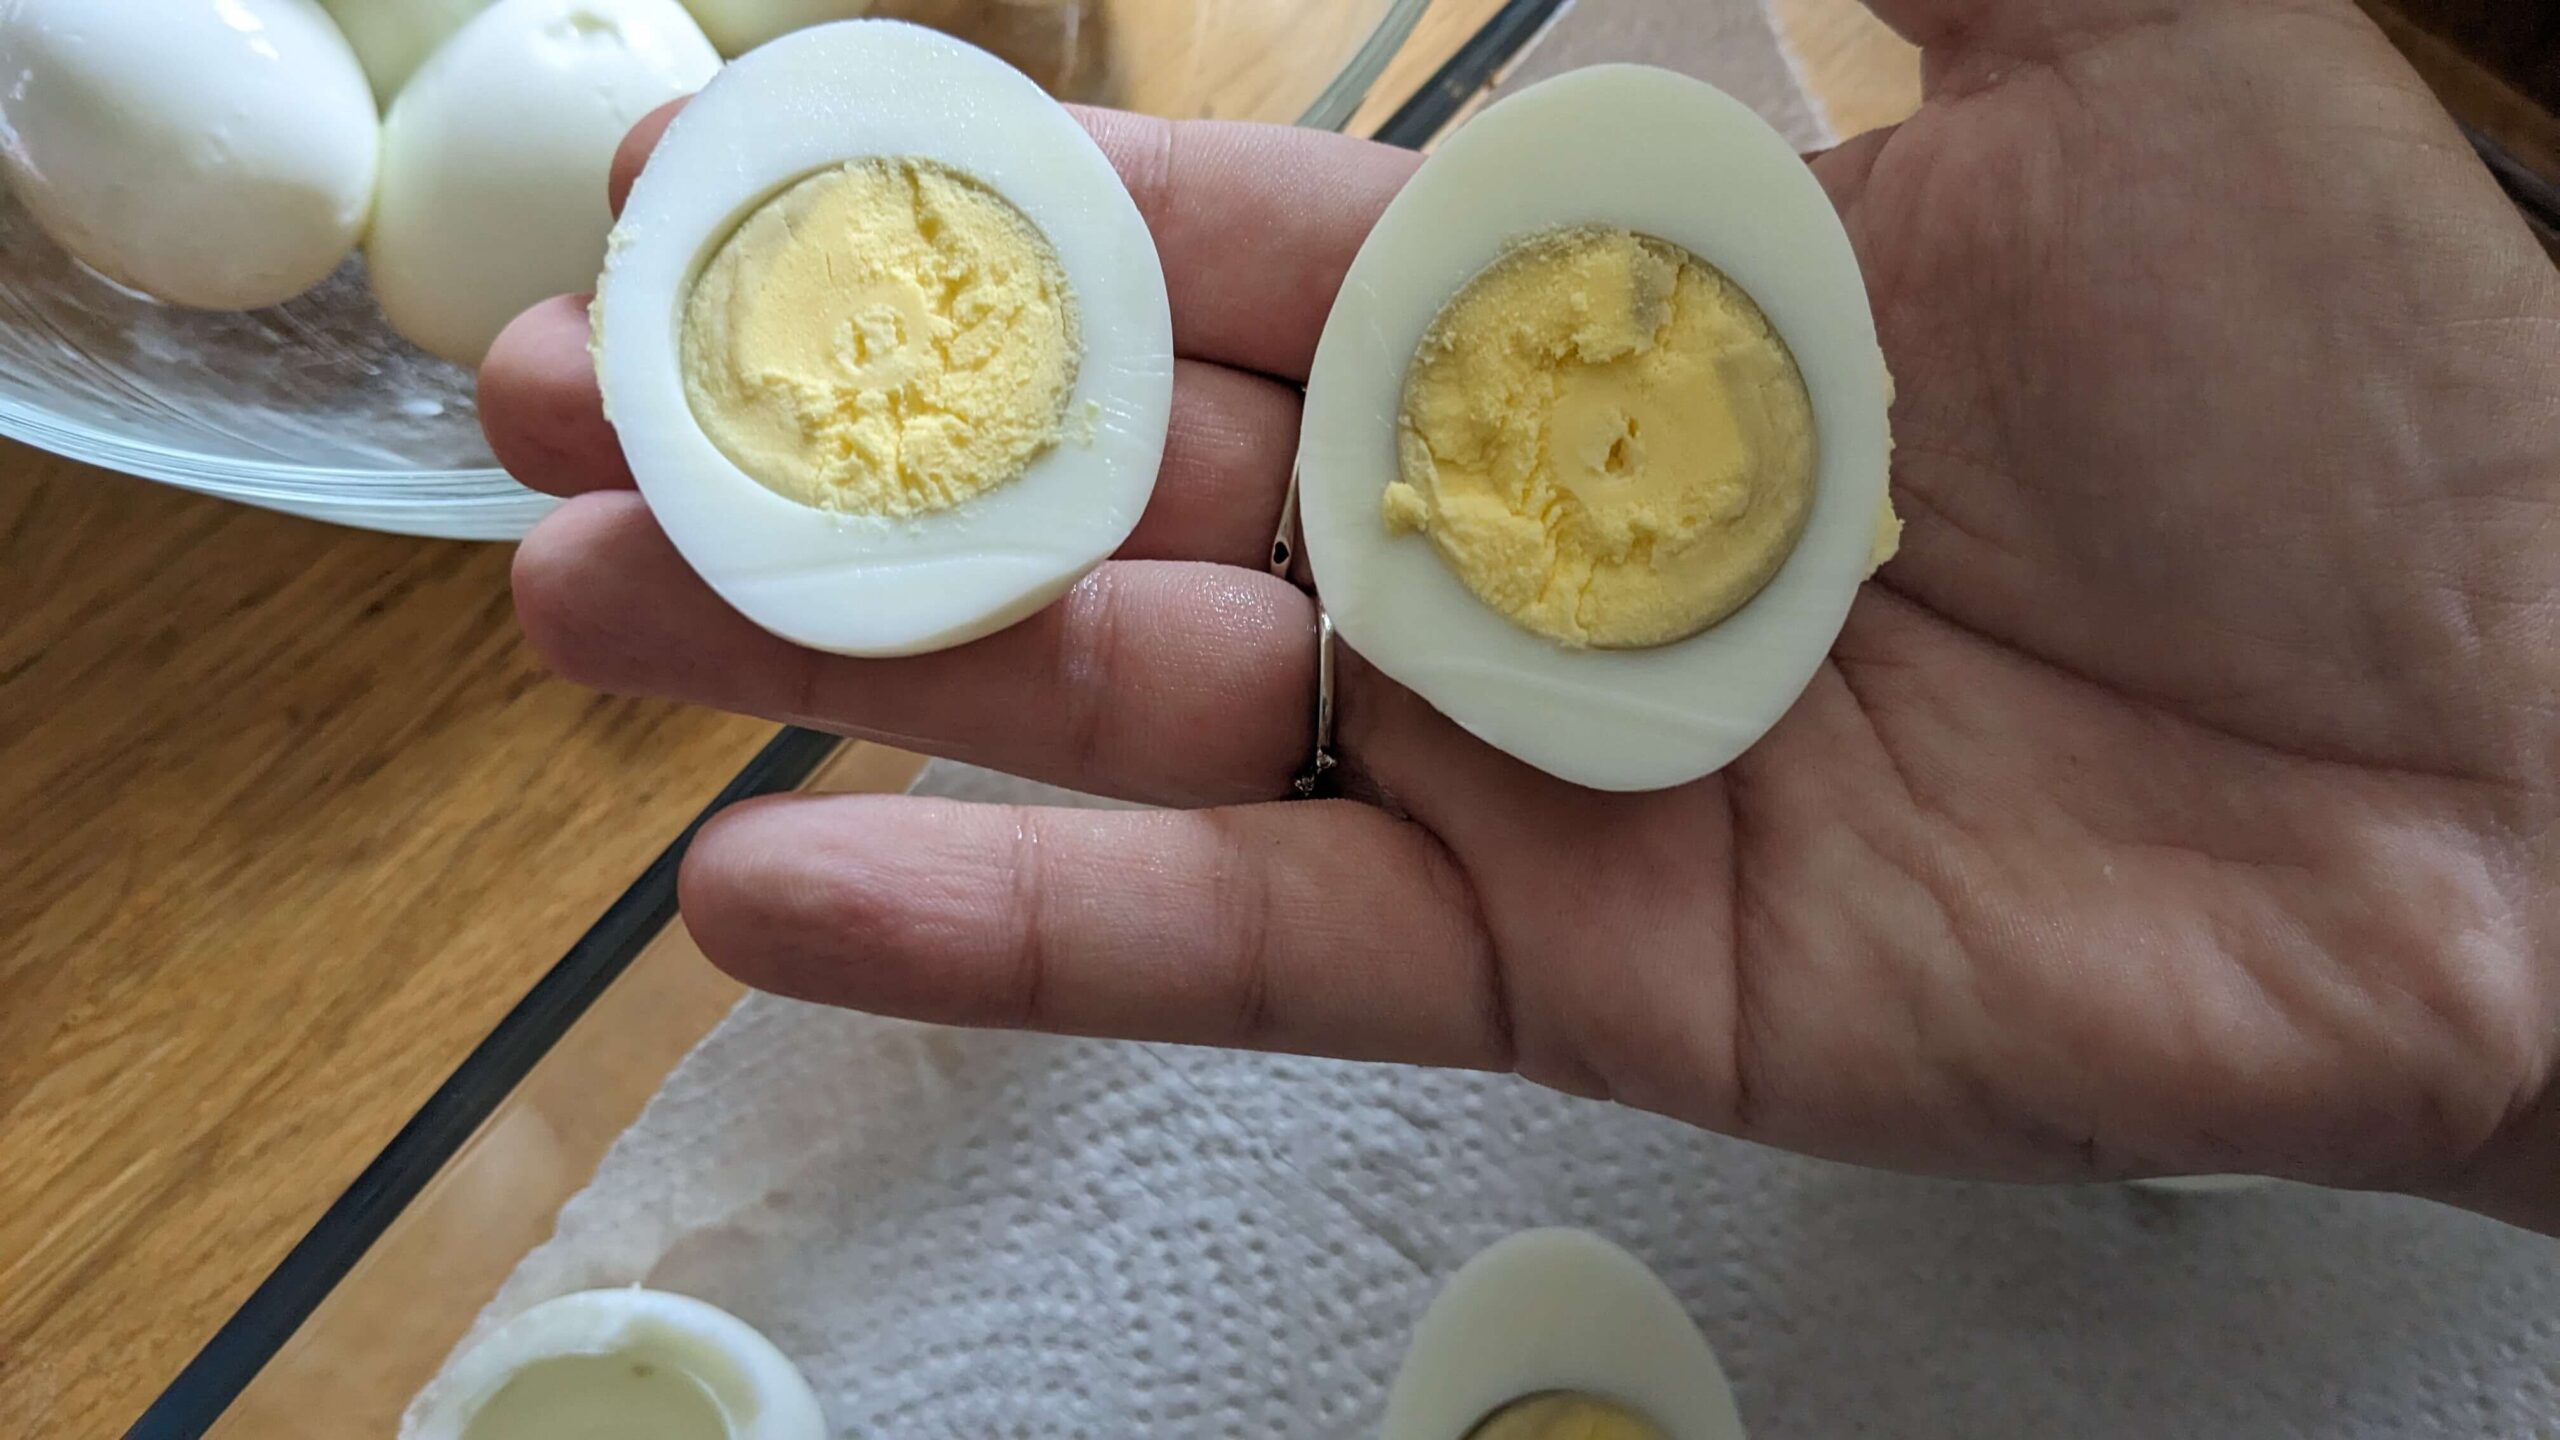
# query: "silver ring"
1311,779
1284,555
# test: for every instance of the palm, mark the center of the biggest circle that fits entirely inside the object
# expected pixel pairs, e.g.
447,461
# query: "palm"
2133,824
2178,800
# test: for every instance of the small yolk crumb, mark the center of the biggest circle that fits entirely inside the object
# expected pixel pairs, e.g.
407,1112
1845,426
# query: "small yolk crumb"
1606,441
885,338
1565,1416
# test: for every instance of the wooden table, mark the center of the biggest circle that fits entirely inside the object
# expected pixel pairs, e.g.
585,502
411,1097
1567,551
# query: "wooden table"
292,820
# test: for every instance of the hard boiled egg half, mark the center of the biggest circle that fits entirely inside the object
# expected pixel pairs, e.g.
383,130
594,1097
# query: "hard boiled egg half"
631,1364
1559,1335
1595,447
885,340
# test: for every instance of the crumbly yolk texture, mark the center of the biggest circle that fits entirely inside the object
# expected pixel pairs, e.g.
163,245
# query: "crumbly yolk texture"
1606,441
885,338
1566,1417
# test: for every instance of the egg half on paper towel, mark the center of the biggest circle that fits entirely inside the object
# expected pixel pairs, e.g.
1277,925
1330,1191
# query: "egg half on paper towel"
1559,1335
885,340
1595,447
632,1364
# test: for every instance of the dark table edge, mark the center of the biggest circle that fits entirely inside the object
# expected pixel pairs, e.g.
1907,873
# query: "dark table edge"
334,1245
2534,193
349,1227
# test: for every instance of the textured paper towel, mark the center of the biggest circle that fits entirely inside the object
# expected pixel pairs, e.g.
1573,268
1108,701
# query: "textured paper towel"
963,1236
966,1236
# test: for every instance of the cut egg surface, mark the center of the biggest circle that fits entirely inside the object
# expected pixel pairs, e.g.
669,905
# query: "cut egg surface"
1559,1335
632,1364
1615,574
955,412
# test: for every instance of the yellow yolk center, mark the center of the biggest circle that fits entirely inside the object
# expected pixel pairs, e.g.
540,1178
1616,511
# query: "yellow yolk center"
1564,1416
1606,441
884,338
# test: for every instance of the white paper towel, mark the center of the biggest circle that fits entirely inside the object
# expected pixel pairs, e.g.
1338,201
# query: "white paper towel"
982,1235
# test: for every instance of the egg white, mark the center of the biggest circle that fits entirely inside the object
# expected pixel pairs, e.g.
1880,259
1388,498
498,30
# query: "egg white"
755,1386
1549,1310
1662,155
858,585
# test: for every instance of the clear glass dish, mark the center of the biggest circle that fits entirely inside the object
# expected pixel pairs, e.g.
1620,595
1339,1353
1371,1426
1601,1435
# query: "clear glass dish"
316,408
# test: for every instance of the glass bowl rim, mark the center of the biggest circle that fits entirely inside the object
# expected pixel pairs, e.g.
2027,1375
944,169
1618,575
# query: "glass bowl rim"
444,499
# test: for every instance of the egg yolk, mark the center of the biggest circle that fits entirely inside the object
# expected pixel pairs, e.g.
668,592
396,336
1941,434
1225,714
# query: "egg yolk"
630,1396
885,338
1564,1416
1605,441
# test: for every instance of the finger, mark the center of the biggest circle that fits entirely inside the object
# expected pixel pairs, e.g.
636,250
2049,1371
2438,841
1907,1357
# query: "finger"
1168,683
634,151
540,408
1256,225
1325,928
2025,29
1226,466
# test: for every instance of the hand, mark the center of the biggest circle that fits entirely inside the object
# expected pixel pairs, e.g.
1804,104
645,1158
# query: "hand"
2182,799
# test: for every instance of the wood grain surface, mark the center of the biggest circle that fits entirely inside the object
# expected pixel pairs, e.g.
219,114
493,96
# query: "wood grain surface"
292,820
386,1328
1861,75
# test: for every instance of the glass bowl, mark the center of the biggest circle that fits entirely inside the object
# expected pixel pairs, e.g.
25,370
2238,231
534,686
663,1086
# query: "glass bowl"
314,407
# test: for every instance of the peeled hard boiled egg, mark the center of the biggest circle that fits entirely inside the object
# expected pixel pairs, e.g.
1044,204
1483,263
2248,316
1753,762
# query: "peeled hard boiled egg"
1558,1335
393,37
1595,443
632,1364
886,341
212,153
495,157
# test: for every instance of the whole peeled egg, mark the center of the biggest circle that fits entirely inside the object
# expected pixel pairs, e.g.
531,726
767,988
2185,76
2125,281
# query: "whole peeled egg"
1595,446
1558,1335
496,154
394,37
219,154
885,340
